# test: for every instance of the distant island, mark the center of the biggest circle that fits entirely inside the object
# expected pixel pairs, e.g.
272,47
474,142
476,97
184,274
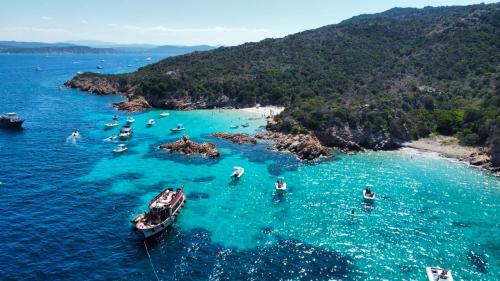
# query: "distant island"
94,47
373,81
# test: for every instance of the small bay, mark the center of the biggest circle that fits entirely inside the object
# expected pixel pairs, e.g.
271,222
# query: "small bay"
66,206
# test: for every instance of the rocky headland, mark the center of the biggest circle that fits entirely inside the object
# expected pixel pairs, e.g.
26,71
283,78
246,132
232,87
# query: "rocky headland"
189,147
96,84
238,138
306,147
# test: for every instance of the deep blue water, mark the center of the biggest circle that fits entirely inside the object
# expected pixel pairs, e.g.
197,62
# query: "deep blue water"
66,206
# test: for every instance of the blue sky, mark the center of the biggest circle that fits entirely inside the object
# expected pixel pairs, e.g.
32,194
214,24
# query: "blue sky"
187,22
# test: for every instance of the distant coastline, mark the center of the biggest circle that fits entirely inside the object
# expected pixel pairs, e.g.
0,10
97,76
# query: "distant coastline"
15,47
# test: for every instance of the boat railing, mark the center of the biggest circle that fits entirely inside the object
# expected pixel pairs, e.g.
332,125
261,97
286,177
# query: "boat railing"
163,192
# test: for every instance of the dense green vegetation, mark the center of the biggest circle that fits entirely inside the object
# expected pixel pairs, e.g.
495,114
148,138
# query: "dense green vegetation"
373,79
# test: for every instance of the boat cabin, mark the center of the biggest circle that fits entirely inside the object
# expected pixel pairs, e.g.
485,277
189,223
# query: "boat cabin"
126,130
164,205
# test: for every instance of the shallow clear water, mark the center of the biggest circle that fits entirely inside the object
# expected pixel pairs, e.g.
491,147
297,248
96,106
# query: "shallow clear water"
66,207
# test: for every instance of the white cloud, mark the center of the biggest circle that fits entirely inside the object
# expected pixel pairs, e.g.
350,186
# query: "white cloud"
84,22
46,18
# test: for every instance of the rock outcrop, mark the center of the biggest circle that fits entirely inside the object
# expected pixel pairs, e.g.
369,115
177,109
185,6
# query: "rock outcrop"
306,147
95,84
133,105
189,147
483,158
238,138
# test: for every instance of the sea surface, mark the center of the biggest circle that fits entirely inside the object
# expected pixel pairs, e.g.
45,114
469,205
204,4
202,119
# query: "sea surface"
66,205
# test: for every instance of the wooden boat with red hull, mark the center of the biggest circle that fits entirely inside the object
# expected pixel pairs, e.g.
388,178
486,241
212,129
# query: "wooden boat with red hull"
163,209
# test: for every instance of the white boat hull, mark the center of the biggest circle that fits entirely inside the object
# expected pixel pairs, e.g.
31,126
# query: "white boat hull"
368,198
157,229
434,274
124,136
238,174
282,188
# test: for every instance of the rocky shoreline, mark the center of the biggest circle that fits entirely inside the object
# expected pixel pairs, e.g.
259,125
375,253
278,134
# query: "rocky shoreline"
448,147
98,85
305,147
238,138
189,147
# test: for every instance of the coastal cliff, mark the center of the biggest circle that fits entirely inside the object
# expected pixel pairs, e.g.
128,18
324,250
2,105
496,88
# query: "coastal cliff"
371,82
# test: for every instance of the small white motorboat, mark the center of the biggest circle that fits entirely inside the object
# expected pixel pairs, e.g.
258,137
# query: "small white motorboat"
129,65
111,138
120,149
164,114
368,195
179,128
234,127
148,58
150,123
130,120
245,125
280,184
111,125
75,134
99,67
438,274
79,72
125,132
238,172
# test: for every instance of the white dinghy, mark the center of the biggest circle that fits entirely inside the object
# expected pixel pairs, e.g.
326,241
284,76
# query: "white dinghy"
280,184
151,122
438,274
238,172
164,114
179,128
368,194
111,125
120,149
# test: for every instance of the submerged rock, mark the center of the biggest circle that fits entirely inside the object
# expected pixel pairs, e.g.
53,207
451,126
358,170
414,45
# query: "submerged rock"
189,147
239,138
478,261
306,147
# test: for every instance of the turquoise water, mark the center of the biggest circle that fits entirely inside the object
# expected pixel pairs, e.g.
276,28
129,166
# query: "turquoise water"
67,206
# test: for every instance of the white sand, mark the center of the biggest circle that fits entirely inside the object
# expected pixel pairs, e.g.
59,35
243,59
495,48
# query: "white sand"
445,146
264,111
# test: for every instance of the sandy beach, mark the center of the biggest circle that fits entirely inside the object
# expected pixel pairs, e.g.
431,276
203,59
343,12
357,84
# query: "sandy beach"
443,145
264,111
449,147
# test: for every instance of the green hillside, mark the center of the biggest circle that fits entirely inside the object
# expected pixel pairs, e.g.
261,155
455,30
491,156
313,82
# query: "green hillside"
376,80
